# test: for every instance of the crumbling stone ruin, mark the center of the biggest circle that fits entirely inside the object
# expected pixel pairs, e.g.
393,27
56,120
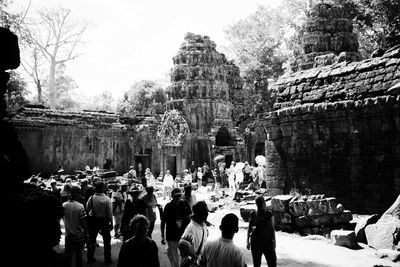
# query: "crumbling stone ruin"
205,87
76,139
328,37
307,215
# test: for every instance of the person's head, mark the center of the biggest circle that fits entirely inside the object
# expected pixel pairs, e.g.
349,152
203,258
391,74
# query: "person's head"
68,181
150,190
99,187
131,167
176,194
186,171
167,172
229,225
139,225
233,163
75,192
200,211
260,202
192,162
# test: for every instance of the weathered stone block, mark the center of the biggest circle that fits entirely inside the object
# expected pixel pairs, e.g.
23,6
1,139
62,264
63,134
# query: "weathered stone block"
281,202
326,219
300,208
282,217
360,227
344,238
381,235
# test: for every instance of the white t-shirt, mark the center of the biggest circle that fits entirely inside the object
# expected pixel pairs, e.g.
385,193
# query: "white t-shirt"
222,252
193,235
168,180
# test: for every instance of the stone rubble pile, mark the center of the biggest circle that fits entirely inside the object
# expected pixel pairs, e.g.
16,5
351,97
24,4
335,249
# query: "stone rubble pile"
307,215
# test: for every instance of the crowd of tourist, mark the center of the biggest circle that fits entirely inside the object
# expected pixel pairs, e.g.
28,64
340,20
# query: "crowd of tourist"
129,210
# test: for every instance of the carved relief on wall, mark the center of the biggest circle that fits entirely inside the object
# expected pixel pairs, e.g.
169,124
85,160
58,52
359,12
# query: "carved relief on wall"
173,129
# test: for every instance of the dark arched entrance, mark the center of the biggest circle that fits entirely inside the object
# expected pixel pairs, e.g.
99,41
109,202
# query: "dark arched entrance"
223,137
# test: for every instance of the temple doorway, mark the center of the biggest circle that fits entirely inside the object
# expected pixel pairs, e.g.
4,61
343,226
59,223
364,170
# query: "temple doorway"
171,164
260,149
223,137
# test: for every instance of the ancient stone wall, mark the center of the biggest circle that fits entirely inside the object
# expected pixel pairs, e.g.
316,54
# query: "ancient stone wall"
336,131
76,139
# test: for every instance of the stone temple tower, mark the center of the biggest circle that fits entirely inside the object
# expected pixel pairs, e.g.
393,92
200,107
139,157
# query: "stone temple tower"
198,123
328,36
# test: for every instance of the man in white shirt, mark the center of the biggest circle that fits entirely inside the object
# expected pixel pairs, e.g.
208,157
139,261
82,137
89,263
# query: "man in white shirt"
195,234
168,184
222,251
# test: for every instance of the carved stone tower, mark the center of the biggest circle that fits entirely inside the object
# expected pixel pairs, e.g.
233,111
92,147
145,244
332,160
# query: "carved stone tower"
198,123
328,36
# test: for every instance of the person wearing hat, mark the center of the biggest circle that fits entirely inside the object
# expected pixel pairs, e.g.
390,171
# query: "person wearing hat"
133,206
195,235
222,251
174,220
76,230
99,205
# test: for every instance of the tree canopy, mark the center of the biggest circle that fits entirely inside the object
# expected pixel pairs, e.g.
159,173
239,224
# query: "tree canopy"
145,97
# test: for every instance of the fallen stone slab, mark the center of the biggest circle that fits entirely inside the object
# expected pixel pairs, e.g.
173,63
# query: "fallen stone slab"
392,255
344,238
382,235
281,202
360,227
325,219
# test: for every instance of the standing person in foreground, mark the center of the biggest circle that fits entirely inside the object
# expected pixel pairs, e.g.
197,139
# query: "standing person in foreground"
140,250
76,231
195,235
133,206
222,251
261,234
151,206
175,216
99,205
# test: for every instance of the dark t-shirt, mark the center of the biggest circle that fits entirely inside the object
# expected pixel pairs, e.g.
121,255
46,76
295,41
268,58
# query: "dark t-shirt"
131,208
173,213
264,232
133,253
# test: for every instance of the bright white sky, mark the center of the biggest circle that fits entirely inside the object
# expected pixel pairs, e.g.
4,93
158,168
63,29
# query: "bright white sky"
131,40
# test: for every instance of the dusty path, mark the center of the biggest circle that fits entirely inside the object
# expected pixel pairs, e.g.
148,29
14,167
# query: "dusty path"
292,250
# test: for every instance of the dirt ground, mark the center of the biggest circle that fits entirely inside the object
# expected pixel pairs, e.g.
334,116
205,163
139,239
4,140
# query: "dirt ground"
292,249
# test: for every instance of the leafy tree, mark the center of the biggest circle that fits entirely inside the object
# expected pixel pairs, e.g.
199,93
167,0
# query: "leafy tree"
144,97
260,46
16,93
65,88
103,101
377,22
52,39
